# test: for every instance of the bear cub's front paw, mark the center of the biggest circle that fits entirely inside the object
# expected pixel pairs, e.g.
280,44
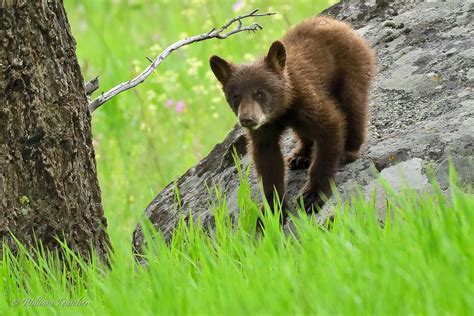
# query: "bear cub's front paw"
313,198
297,162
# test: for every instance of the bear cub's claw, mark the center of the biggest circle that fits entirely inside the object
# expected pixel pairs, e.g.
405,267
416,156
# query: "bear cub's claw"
298,162
313,199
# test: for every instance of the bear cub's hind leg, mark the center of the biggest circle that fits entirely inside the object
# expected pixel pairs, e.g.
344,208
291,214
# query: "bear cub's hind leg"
354,100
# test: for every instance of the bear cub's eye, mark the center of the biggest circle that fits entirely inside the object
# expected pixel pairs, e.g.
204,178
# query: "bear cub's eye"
235,99
259,95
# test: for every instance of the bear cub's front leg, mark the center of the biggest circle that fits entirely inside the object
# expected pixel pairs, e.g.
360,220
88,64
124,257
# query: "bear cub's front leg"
329,140
269,163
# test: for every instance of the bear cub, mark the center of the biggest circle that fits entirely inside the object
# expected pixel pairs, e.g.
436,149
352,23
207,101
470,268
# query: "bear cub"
316,80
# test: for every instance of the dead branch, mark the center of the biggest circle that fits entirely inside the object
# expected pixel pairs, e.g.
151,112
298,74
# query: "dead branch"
91,85
214,33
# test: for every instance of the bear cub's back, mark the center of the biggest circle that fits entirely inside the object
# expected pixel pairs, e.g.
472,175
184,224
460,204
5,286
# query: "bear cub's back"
321,47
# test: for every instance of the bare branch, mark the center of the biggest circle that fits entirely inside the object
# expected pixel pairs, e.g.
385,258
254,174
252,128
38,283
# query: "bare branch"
214,33
91,85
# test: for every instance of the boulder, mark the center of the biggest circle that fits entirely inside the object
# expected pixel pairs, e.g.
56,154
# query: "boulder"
422,114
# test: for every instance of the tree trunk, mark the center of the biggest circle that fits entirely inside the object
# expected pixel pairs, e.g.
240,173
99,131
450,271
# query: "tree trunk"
48,179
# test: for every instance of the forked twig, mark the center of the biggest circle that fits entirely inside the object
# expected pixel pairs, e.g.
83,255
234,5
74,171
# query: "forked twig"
214,33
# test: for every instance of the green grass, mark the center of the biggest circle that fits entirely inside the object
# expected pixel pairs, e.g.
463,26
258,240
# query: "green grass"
420,262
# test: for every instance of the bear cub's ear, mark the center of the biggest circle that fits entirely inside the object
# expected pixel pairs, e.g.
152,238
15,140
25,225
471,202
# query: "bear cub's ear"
276,56
221,68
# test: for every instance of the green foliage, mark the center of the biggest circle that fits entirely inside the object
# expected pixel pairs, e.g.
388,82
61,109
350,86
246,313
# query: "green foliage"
419,262
146,137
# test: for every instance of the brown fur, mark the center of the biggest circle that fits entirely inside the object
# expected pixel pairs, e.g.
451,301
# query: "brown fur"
317,81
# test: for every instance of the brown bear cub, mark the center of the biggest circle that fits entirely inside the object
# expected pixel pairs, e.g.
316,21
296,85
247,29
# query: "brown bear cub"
317,81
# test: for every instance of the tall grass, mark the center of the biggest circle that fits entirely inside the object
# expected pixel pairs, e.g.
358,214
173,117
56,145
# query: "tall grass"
419,262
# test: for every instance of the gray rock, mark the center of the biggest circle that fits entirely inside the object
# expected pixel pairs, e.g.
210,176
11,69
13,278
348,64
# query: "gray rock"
404,175
408,173
422,114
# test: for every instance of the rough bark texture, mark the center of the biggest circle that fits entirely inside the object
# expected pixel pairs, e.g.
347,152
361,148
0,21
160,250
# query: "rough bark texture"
422,112
48,179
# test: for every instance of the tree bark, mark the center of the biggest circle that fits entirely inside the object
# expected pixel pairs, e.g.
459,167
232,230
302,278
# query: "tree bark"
48,179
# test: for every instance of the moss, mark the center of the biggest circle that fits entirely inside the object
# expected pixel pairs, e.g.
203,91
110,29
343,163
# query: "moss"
24,200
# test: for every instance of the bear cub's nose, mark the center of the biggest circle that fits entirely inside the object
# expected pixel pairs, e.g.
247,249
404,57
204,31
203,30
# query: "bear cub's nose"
247,122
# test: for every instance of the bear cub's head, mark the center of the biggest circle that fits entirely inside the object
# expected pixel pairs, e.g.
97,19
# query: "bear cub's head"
257,92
